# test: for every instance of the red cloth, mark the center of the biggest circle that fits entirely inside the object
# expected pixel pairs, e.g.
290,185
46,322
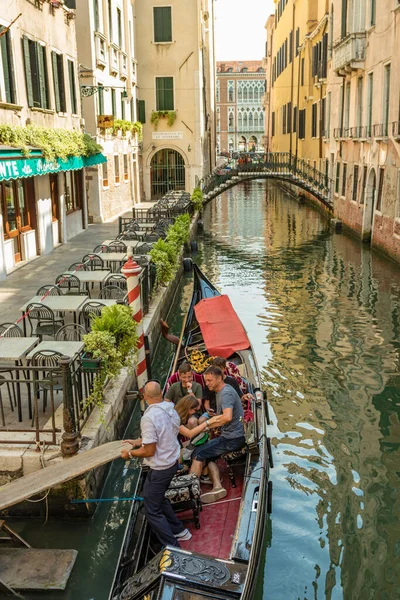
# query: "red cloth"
223,333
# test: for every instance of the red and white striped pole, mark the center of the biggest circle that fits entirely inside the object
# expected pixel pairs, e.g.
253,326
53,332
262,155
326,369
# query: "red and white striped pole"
132,271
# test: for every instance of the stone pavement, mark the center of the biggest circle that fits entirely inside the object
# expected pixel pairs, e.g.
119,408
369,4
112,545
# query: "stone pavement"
22,284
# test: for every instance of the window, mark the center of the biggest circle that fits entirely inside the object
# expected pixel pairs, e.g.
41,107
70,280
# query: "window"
355,183
347,109
72,87
302,72
290,46
344,178
7,78
96,15
116,168
386,98
73,190
37,85
217,90
314,120
231,91
302,124
162,24
370,92
328,116
273,124
164,93
100,100
297,40
119,27
289,117
372,12
105,174
322,117
397,208
344,18
380,189
122,100
141,110
359,104
113,102
231,122
295,119
126,170
110,21
284,119
364,184
337,179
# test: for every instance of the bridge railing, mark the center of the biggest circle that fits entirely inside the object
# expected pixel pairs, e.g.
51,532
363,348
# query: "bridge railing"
282,164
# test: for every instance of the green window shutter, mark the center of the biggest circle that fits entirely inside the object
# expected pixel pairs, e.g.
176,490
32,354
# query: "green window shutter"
41,58
159,93
162,24
56,82
164,93
28,74
100,101
8,68
72,87
61,81
141,111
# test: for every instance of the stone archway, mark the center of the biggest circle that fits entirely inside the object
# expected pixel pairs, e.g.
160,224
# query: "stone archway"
167,172
369,206
242,145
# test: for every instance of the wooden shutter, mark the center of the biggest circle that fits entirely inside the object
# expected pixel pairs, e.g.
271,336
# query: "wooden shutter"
162,24
168,93
28,74
141,111
56,82
8,67
72,87
344,18
41,58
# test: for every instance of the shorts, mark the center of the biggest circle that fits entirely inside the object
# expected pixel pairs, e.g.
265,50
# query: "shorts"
217,447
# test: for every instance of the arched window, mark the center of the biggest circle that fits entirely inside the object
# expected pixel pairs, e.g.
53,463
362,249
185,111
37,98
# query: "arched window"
261,121
239,93
244,121
244,94
250,94
240,121
256,121
231,121
250,121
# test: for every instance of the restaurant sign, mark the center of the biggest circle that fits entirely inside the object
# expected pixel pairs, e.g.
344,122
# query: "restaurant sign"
18,168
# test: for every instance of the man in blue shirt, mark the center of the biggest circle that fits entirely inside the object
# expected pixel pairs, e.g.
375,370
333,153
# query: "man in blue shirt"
230,420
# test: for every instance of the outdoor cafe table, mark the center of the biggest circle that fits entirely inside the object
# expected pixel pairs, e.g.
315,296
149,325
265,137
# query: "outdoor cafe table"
69,349
59,304
114,258
90,276
105,301
13,351
127,243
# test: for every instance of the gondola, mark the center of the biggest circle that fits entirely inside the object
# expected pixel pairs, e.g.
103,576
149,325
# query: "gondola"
222,558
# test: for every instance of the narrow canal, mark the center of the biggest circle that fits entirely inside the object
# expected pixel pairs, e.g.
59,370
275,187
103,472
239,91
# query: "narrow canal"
323,312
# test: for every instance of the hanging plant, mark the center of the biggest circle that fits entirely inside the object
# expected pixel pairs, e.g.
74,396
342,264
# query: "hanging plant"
156,115
164,253
125,126
54,143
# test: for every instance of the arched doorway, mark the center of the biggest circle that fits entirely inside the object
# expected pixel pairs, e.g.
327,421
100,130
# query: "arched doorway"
242,146
369,206
167,172
253,145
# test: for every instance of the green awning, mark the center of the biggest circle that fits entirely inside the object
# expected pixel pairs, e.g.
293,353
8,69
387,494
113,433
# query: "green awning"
13,165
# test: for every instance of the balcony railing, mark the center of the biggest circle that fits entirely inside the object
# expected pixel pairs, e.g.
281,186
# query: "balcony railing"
338,132
396,129
380,130
349,53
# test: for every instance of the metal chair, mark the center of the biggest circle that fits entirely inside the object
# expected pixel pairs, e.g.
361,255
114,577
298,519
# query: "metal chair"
47,360
90,310
117,279
117,246
9,330
47,322
72,332
143,248
94,262
78,266
101,248
112,292
71,283
49,290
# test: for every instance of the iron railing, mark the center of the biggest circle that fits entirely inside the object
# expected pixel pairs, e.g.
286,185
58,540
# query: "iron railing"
280,165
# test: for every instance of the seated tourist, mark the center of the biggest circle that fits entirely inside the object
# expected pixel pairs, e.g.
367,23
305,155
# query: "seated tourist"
209,397
187,407
185,386
230,419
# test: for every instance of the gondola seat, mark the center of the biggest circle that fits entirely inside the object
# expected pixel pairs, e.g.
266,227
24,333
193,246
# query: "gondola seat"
184,494
238,457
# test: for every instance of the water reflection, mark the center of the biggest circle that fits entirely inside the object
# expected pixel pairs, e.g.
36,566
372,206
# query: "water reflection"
324,315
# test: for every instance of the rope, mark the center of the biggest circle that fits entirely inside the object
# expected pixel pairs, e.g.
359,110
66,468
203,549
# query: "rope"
88,500
221,502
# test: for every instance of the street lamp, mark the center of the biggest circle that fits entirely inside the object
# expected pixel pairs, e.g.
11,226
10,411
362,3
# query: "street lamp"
90,90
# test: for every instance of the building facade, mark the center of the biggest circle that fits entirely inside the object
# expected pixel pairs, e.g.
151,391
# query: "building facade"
240,114
43,203
362,142
108,80
176,74
334,102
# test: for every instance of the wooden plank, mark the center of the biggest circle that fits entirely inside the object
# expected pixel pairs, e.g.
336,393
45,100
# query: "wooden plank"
34,569
70,467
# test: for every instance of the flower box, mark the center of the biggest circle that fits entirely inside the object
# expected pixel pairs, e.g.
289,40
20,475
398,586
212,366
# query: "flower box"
90,364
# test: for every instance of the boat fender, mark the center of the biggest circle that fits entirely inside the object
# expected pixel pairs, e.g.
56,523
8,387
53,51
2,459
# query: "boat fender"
270,459
200,224
187,264
193,246
269,497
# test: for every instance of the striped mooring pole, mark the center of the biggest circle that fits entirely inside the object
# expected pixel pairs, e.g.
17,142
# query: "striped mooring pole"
132,271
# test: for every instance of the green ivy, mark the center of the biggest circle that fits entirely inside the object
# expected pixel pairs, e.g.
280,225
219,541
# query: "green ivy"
54,143
156,115
197,198
164,253
132,126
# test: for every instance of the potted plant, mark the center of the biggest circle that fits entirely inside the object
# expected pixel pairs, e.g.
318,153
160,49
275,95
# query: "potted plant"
110,346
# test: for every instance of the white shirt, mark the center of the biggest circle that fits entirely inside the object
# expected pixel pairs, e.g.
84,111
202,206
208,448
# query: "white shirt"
160,425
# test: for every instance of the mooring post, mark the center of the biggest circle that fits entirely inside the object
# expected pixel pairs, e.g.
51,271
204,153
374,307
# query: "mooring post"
70,442
132,271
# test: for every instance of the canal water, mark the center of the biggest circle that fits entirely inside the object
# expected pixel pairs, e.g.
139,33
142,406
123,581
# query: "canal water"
323,313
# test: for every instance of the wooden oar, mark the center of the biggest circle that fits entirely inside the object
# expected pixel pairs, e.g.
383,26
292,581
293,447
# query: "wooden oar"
179,344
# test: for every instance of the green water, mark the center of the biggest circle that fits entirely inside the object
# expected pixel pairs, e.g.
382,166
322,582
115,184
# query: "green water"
323,313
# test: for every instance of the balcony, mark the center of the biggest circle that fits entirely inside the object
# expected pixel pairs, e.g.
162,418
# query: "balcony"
114,59
133,70
101,52
380,130
349,52
123,65
396,130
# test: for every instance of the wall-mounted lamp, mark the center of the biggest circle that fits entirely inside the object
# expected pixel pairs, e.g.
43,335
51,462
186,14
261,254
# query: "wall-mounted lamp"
90,90
189,148
153,147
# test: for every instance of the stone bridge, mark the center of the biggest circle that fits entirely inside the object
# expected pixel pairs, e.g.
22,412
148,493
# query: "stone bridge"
274,165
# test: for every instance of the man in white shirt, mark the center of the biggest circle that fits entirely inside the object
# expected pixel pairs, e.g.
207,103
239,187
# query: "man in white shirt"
159,447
